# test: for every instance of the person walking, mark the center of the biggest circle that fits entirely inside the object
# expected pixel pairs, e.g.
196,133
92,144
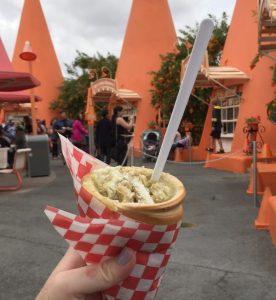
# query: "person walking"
79,133
121,128
62,126
104,138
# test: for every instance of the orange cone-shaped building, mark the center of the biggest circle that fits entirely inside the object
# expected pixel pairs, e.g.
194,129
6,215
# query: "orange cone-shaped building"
242,101
5,64
240,49
33,27
150,32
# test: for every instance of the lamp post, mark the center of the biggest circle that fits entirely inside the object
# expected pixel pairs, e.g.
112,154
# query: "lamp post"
90,117
28,55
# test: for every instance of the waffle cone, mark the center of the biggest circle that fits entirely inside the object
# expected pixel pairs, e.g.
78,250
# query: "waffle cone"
164,213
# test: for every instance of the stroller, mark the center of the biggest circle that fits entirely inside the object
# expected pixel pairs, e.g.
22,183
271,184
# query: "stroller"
151,142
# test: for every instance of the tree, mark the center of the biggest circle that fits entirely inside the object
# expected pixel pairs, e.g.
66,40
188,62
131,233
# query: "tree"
166,81
73,91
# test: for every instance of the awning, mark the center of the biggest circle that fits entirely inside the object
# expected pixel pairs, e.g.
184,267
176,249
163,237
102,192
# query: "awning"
127,95
267,26
17,81
105,89
212,76
224,73
13,97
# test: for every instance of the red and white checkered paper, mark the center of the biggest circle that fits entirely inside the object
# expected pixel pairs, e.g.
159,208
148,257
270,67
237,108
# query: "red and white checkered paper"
98,233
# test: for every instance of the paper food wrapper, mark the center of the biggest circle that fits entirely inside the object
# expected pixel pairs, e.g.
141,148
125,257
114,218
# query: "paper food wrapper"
98,233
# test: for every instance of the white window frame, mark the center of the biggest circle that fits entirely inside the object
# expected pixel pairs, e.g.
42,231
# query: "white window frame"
235,117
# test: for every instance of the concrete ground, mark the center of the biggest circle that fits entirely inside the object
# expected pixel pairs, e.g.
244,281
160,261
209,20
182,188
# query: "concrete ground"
219,255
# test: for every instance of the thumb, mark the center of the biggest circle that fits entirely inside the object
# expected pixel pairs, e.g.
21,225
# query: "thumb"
95,278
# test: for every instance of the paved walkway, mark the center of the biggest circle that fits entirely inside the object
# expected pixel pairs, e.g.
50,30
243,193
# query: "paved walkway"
220,256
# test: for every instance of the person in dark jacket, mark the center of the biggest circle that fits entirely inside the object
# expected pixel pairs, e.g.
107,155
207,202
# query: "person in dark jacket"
19,143
121,130
27,125
104,138
62,126
4,141
216,128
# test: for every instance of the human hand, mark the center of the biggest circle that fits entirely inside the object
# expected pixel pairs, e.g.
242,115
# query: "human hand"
72,279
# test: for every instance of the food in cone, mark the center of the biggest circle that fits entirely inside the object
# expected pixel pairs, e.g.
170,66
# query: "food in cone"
131,192
145,218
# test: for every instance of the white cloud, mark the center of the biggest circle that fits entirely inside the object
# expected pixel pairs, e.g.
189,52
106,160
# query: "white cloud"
97,26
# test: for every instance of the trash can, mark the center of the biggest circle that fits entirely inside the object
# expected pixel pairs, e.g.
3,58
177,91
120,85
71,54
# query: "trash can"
39,160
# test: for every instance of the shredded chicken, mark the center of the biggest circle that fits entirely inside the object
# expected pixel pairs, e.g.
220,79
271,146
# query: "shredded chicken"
129,185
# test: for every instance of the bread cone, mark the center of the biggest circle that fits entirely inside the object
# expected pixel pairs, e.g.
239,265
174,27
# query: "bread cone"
163,213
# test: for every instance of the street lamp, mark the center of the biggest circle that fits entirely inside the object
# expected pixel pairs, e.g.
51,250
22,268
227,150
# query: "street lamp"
90,117
28,55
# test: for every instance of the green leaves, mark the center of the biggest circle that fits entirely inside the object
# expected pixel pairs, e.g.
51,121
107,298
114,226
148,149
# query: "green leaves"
73,91
166,81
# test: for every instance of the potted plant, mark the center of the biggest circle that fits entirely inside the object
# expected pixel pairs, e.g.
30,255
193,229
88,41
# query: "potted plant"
253,127
253,120
271,111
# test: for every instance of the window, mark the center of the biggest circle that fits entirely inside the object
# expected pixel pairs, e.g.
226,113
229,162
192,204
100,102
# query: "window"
229,115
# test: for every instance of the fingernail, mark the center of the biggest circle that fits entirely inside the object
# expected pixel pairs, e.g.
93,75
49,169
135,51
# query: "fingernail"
124,257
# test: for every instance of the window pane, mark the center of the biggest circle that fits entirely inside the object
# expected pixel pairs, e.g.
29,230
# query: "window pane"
224,114
230,113
230,127
236,101
236,112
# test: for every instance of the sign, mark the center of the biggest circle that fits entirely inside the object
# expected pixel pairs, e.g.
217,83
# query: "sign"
103,85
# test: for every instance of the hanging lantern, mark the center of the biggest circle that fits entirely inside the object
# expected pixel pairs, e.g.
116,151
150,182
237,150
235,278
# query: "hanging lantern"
27,53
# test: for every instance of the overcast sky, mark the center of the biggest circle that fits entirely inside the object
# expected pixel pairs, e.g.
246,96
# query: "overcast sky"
97,25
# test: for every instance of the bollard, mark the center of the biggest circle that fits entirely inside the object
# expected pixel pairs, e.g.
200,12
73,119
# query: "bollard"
256,201
91,139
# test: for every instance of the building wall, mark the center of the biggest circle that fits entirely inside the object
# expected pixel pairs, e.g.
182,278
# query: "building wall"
240,49
149,33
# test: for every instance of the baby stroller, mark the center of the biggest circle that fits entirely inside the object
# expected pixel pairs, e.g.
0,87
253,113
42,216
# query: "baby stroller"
151,142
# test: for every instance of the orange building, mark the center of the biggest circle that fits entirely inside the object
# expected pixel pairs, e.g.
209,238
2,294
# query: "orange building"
33,27
150,32
240,49
249,94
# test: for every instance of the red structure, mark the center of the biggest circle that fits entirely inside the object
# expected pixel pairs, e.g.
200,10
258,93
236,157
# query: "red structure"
11,86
